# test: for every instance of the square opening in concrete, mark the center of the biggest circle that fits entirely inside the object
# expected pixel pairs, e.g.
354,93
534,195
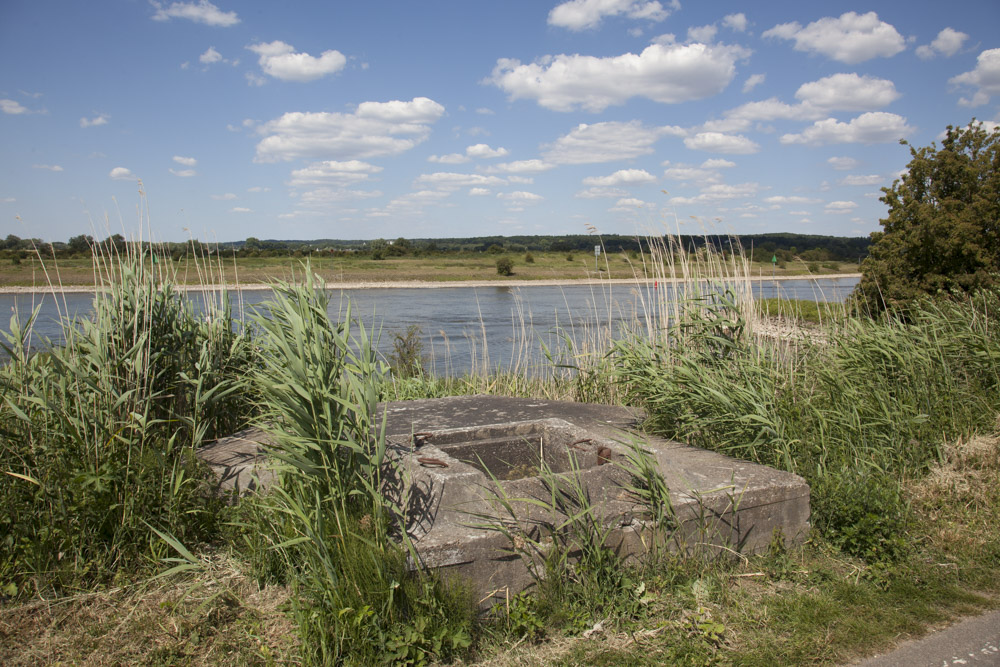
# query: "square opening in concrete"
511,452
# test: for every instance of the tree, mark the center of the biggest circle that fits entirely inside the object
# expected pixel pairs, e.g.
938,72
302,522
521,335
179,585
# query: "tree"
81,245
942,233
379,248
505,266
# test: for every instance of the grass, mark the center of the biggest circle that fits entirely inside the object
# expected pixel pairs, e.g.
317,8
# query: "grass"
443,268
114,550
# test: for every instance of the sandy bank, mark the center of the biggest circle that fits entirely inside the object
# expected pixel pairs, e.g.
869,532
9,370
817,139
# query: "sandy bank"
423,284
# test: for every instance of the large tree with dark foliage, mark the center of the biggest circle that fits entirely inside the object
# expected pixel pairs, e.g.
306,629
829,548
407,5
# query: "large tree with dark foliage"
942,234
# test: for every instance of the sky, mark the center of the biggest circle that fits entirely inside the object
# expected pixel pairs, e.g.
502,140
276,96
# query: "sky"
358,120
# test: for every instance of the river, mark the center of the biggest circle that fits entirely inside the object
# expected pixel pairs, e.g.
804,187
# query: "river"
462,328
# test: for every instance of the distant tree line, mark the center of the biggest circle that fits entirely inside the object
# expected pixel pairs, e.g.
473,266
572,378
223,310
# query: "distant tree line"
761,247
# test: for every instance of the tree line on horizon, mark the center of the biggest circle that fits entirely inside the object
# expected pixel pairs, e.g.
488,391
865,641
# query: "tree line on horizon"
782,247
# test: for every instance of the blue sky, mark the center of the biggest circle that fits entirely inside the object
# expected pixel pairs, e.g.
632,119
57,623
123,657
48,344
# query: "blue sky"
301,120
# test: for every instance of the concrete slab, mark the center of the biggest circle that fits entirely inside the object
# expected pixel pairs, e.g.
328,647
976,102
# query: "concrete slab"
720,503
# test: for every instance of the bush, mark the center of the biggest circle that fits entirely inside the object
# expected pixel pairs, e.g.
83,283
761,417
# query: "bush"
569,257
97,436
505,266
407,358
529,258
862,513
940,232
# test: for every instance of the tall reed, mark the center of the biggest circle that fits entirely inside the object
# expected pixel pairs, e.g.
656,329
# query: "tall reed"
99,432
328,520
854,410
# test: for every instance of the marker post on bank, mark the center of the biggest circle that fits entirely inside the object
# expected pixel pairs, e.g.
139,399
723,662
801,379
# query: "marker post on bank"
597,258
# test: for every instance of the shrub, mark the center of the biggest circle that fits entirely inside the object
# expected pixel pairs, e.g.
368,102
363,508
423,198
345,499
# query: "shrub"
97,436
329,521
939,235
407,357
862,513
505,266
569,257
529,258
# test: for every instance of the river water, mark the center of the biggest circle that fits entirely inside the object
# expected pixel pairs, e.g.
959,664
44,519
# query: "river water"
462,328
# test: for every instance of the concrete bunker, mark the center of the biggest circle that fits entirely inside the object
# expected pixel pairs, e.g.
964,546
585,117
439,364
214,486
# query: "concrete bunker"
457,456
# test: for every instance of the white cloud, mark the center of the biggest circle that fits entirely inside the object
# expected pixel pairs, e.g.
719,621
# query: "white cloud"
520,196
704,34
183,173
96,121
598,192
200,12
479,192
684,173
229,196
622,177
450,158
753,81
986,77
851,39
719,192
279,60
325,198
858,179
605,142
122,174
444,180
48,167
838,92
240,209
13,107
717,163
484,151
583,14
668,73
947,43
848,92
868,128
332,172
7,200
210,56
840,207
628,203
374,129
717,142
737,22
843,163
484,111
409,204
258,188
521,167
794,199
186,161
770,109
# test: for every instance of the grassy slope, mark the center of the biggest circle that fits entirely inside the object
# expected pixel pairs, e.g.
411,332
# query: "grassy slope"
805,606
442,268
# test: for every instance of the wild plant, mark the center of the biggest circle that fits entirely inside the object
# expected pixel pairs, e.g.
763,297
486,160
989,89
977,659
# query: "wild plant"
100,431
355,596
870,401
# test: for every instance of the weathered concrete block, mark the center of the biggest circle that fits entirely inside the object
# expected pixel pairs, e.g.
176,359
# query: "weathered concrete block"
469,476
